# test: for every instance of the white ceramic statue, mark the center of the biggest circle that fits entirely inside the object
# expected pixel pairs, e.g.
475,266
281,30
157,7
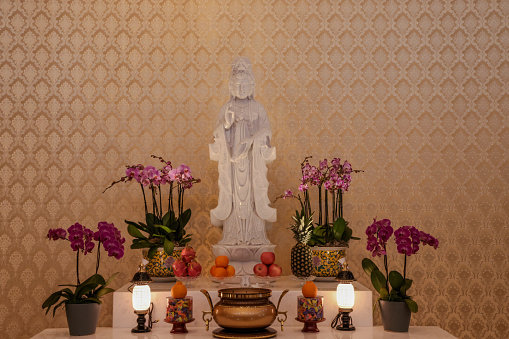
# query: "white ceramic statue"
242,149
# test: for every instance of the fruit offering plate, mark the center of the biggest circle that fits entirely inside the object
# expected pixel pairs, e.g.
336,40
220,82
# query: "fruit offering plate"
302,280
326,279
188,281
226,280
163,279
267,280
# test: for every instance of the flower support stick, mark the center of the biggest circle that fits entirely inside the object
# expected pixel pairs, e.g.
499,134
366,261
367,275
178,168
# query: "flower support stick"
144,198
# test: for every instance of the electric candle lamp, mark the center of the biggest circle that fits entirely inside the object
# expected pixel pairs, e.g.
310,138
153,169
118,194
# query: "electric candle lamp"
345,297
142,300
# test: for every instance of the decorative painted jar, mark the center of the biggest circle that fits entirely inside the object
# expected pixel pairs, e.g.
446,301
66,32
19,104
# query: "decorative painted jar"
160,265
310,309
179,310
244,309
327,261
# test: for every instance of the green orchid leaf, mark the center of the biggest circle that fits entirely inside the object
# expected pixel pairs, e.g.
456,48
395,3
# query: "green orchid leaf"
141,244
184,217
368,265
164,228
184,241
140,226
378,280
96,279
91,300
168,217
103,291
168,247
384,294
396,280
56,307
347,234
67,293
113,276
52,300
338,228
412,305
135,232
395,296
152,251
151,219
83,290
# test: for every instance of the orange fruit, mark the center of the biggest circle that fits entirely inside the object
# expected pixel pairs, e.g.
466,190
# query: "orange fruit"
179,290
220,272
222,261
230,271
309,290
213,270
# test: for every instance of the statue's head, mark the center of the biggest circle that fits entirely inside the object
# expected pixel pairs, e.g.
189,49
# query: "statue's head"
242,81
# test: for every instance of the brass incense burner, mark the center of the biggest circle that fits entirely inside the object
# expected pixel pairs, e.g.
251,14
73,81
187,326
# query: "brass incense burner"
244,309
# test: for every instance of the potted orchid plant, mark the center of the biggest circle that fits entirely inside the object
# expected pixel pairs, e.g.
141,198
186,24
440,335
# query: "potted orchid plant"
162,235
82,300
395,303
331,234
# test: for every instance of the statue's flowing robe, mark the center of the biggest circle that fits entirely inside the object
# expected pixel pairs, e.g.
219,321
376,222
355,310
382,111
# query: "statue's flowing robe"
243,206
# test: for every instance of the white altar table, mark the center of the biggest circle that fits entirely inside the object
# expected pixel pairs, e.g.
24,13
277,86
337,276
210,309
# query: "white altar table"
293,332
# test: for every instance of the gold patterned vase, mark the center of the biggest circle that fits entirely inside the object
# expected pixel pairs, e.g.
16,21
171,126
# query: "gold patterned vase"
327,261
159,265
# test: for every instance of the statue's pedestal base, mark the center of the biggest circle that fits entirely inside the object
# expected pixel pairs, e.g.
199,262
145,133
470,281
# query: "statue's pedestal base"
243,257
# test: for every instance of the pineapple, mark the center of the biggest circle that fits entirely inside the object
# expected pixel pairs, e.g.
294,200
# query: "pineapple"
301,253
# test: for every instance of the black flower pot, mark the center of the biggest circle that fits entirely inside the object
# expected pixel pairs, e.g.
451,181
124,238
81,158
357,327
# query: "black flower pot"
82,319
395,315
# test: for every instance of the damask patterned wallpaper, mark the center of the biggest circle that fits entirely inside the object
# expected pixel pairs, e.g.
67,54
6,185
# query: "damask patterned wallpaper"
415,93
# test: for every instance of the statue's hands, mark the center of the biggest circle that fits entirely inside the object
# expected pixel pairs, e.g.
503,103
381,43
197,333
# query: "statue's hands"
242,148
229,117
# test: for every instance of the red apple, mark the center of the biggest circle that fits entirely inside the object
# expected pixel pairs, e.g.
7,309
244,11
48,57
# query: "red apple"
179,268
194,269
188,254
268,258
260,270
275,270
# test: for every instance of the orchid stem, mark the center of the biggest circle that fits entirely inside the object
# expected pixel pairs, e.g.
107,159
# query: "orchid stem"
78,266
160,203
320,205
98,257
144,198
404,270
386,272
